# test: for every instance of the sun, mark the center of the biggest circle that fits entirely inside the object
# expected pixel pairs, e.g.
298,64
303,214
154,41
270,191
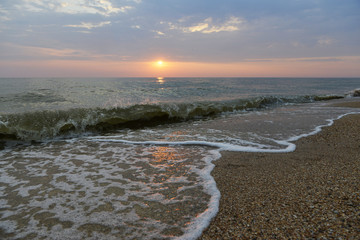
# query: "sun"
160,64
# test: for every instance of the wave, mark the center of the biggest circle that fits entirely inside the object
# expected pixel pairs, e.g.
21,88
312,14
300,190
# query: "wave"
41,125
354,93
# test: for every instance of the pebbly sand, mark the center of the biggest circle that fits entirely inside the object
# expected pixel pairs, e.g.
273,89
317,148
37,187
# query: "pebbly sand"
312,193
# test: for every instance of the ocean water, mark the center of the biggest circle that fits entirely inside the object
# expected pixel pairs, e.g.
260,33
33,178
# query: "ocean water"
132,158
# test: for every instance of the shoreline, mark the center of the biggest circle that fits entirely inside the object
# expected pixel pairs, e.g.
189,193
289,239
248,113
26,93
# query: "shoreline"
313,192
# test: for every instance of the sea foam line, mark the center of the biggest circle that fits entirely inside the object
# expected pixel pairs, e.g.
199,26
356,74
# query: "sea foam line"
290,147
219,146
319,128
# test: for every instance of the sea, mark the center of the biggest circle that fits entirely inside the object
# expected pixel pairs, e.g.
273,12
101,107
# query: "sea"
131,158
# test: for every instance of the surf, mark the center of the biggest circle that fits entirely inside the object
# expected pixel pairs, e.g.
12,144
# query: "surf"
48,124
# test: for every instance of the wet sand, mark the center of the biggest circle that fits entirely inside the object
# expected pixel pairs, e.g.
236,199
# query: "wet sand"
313,192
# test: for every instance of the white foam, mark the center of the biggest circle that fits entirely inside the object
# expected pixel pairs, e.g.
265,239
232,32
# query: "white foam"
218,145
319,128
289,146
203,220
97,163
24,191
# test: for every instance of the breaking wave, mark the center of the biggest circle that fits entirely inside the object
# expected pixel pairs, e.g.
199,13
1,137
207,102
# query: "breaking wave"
48,124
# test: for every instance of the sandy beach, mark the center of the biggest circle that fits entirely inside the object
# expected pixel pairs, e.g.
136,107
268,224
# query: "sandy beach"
312,193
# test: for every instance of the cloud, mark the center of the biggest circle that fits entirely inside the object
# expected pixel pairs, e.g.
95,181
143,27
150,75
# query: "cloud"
306,59
208,26
321,59
220,31
4,15
159,33
325,41
12,51
89,25
102,7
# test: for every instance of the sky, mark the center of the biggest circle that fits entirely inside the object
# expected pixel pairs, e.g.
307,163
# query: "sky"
192,38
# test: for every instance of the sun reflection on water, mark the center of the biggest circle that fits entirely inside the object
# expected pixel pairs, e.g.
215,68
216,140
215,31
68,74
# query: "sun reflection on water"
164,155
160,80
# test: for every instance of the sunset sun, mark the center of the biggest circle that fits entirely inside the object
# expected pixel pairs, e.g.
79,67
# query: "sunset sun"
160,63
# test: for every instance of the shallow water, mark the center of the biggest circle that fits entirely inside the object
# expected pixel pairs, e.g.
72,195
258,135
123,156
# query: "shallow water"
87,189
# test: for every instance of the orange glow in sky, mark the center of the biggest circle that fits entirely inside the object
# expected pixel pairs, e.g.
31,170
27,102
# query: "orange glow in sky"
345,66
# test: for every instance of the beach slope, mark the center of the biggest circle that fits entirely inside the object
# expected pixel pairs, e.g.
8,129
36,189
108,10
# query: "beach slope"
313,192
